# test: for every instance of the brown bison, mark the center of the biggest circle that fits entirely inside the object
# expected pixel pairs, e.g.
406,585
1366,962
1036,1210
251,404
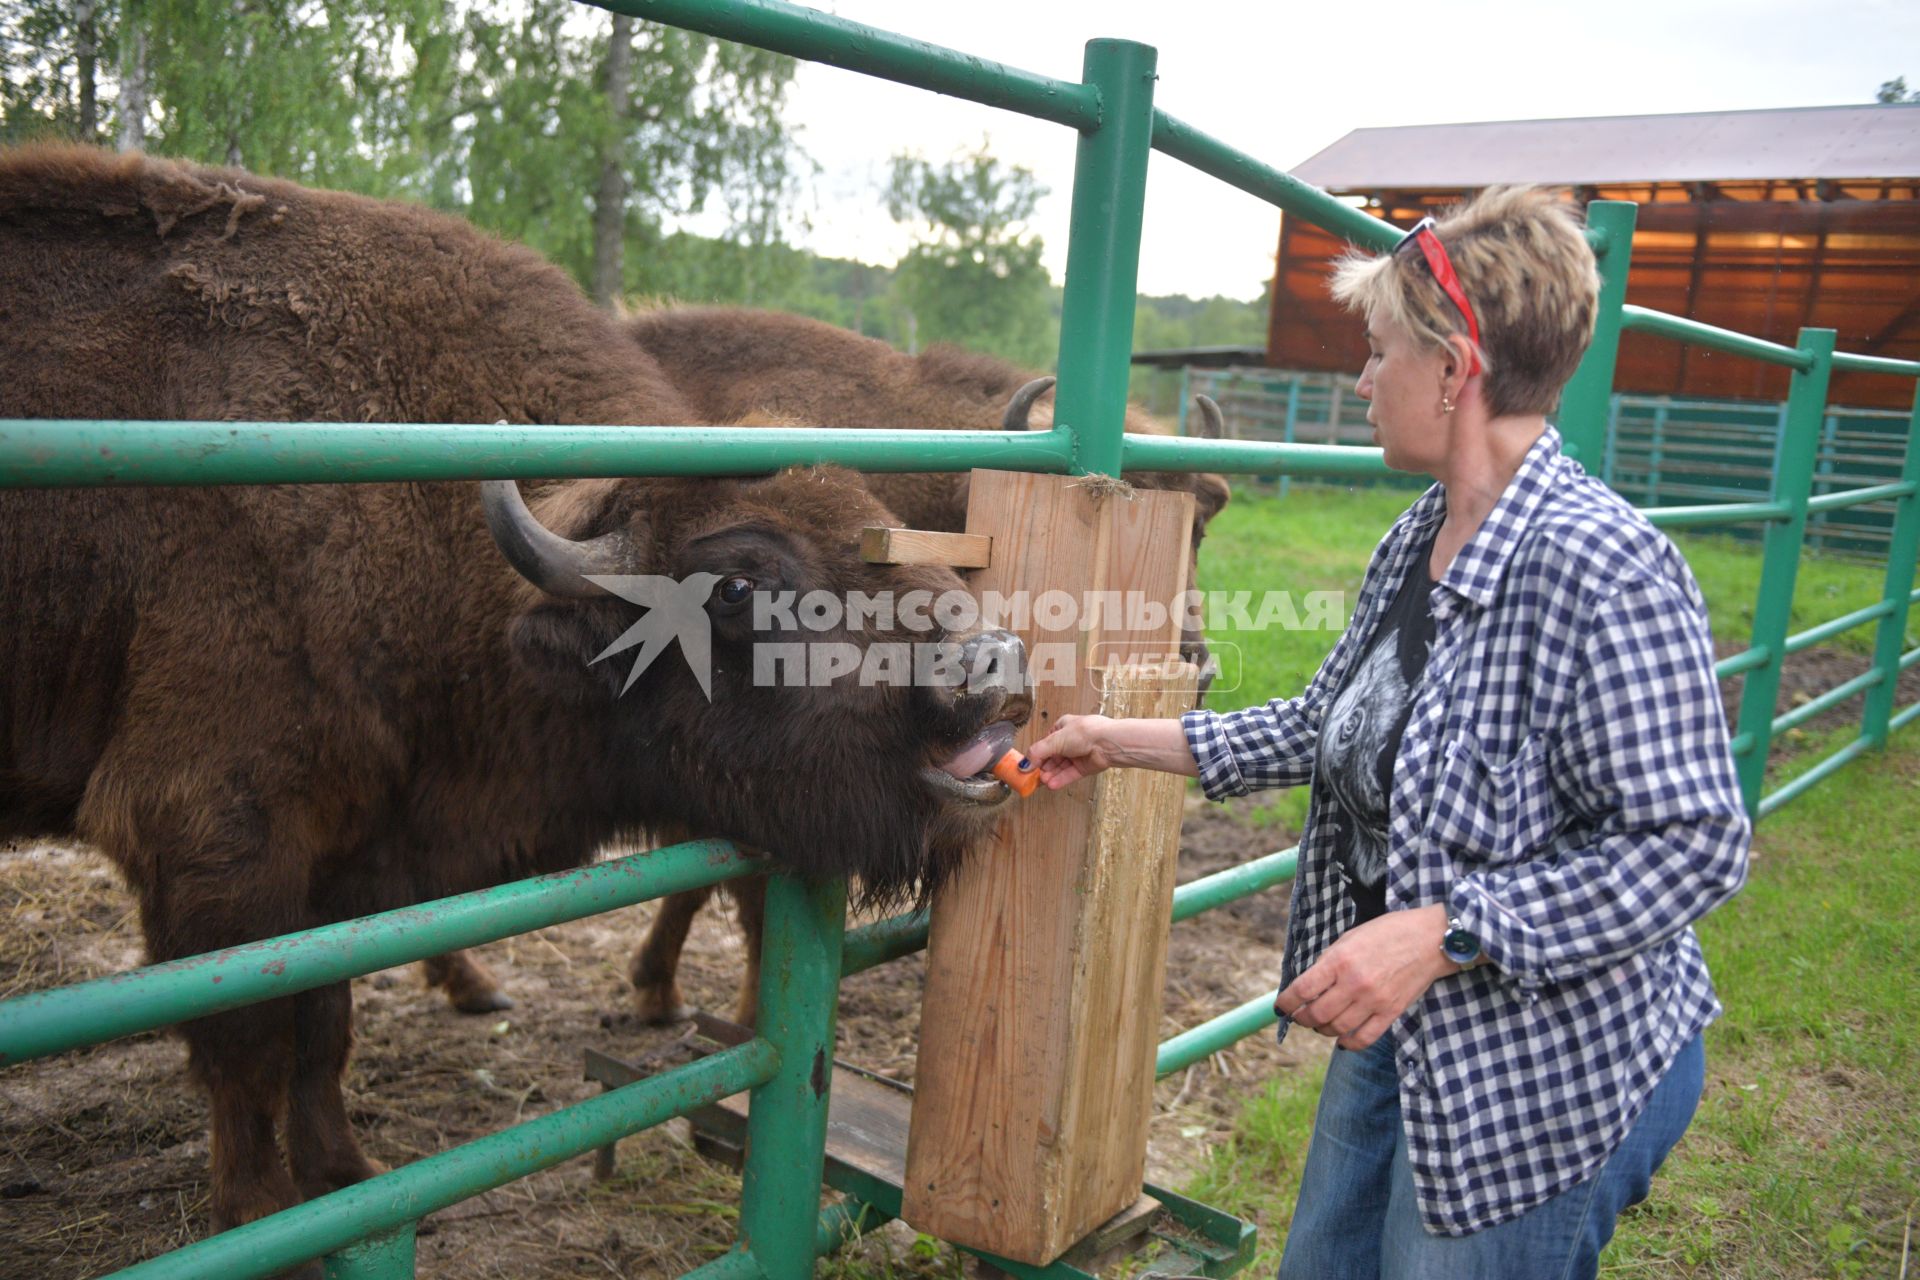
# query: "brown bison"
736,362
276,707
731,362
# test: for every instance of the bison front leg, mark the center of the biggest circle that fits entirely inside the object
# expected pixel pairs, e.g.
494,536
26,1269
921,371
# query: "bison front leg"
320,1142
656,962
469,984
750,896
242,1059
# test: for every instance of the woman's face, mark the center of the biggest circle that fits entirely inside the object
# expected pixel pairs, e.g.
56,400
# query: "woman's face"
1401,385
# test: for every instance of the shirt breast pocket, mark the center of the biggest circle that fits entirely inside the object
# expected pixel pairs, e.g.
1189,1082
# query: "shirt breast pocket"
1494,811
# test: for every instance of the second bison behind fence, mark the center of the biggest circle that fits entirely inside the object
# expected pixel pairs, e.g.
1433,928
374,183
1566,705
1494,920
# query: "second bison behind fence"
277,707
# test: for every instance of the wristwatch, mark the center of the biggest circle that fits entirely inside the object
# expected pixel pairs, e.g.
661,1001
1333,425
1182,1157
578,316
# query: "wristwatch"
1458,945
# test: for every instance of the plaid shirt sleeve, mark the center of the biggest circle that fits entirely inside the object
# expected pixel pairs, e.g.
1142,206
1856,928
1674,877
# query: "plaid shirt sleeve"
1642,758
1265,746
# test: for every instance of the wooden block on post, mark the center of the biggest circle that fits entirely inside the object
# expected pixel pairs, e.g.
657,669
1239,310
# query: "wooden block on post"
923,546
1046,959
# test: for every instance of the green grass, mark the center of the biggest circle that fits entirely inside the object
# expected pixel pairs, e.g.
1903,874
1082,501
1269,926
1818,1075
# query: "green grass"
1825,588
1320,537
1804,1158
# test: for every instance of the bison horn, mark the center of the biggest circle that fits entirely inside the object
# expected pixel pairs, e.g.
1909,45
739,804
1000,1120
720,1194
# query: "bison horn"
559,566
1021,405
1213,423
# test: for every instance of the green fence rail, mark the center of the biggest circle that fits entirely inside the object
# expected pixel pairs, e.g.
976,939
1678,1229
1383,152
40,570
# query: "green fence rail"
366,1232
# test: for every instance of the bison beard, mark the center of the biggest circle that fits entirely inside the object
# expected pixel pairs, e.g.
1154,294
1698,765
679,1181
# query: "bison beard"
281,706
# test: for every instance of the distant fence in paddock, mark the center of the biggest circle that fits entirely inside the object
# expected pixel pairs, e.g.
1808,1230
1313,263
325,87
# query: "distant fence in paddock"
1661,450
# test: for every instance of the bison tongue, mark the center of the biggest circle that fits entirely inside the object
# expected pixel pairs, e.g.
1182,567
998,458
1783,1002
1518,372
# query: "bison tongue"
981,750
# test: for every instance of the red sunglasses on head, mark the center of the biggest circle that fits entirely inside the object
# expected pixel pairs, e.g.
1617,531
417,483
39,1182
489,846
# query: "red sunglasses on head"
1443,275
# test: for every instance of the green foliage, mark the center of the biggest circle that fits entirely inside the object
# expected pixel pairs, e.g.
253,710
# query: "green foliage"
1255,1174
489,108
973,276
1895,90
1173,323
692,269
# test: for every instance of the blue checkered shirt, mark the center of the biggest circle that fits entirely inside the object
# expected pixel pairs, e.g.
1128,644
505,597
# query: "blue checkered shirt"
1565,787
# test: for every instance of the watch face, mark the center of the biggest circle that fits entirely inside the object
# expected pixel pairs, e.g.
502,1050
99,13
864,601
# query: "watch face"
1460,946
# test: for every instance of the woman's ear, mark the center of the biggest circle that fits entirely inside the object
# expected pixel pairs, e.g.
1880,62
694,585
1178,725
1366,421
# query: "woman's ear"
1459,359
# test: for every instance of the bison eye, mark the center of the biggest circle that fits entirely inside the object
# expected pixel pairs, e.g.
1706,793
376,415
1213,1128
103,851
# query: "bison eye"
734,590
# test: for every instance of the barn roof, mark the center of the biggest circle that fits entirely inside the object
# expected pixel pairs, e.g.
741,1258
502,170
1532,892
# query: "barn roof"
1877,141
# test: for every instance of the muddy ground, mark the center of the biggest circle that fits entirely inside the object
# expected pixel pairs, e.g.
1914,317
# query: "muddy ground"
103,1151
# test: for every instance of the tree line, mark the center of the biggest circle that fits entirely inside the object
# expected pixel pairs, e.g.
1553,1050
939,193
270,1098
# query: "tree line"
584,134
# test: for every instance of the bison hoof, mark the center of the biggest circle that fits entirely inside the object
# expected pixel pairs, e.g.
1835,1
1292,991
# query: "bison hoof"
660,1008
490,1000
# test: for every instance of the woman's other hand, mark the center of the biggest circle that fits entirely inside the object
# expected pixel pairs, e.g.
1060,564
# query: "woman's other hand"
1369,976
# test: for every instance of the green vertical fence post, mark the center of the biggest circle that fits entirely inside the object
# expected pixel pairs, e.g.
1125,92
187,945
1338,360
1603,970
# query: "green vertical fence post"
1589,393
1657,453
787,1121
382,1257
1903,548
1780,554
1103,254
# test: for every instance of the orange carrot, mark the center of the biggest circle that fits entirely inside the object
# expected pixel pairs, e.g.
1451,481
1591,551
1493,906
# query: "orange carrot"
1017,772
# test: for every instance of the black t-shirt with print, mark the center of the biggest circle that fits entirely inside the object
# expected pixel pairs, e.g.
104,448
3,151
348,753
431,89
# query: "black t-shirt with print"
1361,736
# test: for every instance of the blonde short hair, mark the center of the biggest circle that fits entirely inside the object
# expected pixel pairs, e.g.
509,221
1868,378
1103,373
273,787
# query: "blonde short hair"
1524,263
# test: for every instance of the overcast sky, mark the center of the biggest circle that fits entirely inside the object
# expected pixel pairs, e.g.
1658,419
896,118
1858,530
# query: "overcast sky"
1283,80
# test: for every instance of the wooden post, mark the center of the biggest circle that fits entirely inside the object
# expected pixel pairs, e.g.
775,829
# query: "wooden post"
1046,958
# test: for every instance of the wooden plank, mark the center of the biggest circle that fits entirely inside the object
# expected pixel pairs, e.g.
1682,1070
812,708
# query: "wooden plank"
1045,960
923,546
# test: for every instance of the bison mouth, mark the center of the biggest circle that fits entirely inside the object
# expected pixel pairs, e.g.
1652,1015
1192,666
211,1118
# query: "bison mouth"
968,776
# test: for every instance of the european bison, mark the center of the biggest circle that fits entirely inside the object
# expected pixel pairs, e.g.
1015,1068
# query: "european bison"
275,707
730,362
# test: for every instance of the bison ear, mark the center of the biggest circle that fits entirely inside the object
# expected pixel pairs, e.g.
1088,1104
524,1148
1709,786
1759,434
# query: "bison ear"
1211,492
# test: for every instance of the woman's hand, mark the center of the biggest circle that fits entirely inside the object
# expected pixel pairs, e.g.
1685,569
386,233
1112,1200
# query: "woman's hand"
1369,976
1078,747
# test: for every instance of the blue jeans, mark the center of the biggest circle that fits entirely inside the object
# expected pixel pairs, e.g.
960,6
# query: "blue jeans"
1356,1218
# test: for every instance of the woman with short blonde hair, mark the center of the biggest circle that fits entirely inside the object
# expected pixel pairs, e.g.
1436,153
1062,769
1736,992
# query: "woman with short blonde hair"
1523,795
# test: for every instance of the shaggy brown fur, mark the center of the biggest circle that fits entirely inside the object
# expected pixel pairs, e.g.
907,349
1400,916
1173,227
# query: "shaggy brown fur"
276,707
730,362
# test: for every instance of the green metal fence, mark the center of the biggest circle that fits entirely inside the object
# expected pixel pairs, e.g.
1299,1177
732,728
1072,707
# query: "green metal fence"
366,1232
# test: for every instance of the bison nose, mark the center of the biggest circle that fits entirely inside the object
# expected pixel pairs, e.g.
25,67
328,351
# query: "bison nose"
989,680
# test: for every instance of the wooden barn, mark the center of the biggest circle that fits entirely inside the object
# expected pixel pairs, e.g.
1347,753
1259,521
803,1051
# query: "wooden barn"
1760,221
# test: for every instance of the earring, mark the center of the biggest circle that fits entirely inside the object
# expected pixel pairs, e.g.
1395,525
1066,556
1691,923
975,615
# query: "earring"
1446,405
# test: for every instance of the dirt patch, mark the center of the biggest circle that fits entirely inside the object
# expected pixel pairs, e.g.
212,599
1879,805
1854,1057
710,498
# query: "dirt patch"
103,1151
1806,675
